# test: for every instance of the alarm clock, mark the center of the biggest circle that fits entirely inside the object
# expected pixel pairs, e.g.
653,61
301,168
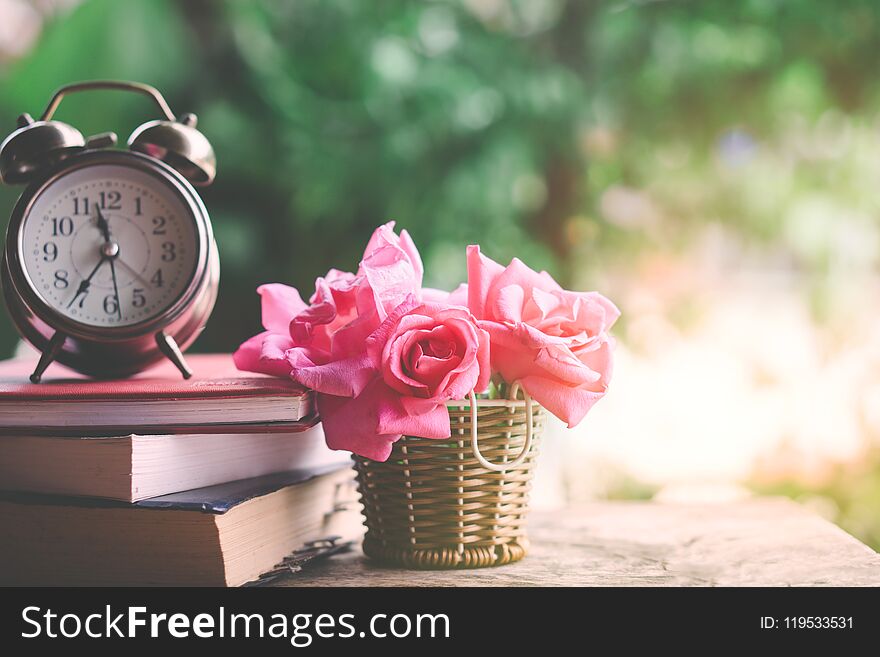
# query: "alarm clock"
110,263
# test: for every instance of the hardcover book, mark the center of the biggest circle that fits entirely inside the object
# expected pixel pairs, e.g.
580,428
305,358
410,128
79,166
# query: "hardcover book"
223,535
219,398
135,466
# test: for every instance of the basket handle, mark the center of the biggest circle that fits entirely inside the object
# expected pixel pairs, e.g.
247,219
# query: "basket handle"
526,446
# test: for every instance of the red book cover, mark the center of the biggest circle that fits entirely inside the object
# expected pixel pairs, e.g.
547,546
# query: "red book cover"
218,395
214,375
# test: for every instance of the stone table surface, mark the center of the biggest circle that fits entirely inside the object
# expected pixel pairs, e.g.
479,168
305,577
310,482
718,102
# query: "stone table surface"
755,542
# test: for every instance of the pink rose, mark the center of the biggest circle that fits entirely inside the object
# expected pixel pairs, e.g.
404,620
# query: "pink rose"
346,307
382,362
431,352
328,352
386,355
392,268
421,356
553,341
266,352
342,312
333,305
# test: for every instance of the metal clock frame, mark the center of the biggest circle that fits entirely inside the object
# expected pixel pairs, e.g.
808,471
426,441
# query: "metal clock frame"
111,351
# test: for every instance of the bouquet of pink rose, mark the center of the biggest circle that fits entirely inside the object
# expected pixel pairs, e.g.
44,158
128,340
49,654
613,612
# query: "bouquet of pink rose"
385,355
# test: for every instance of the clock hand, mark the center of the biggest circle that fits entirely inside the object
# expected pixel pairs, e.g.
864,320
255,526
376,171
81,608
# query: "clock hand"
115,289
87,281
134,272
103,226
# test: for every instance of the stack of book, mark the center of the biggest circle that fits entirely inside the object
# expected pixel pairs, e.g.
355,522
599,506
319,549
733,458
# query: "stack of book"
160,481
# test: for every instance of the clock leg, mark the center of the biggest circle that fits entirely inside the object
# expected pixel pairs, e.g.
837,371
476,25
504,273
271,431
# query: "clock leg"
169,347
50,354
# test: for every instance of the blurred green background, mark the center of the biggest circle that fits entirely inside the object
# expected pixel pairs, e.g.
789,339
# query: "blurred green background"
712,166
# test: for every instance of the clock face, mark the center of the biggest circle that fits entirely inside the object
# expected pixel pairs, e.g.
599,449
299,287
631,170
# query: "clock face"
109,245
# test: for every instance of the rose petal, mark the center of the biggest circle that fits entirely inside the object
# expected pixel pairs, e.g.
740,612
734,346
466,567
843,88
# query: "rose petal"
599,357
409,247
346,378
482,272
559,363
280,303
412,416
520,275
512,364
381,237
484,354
375,343
349,341
333,305
392,368
568,404
462,377
509,304
545,302
610,312
458,297
264,353
351,423
434,371
392,267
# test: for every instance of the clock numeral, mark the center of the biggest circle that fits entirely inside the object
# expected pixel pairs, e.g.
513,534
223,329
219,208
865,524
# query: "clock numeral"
157,279
82,299
137,206
138,300
61,281
80,205
110,200
169,252
50,252
111,304
159,225
62,226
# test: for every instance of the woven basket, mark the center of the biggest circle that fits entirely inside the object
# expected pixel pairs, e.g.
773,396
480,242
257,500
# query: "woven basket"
458,503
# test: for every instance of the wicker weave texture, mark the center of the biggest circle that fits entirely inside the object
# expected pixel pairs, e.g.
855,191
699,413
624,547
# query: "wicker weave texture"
433,505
